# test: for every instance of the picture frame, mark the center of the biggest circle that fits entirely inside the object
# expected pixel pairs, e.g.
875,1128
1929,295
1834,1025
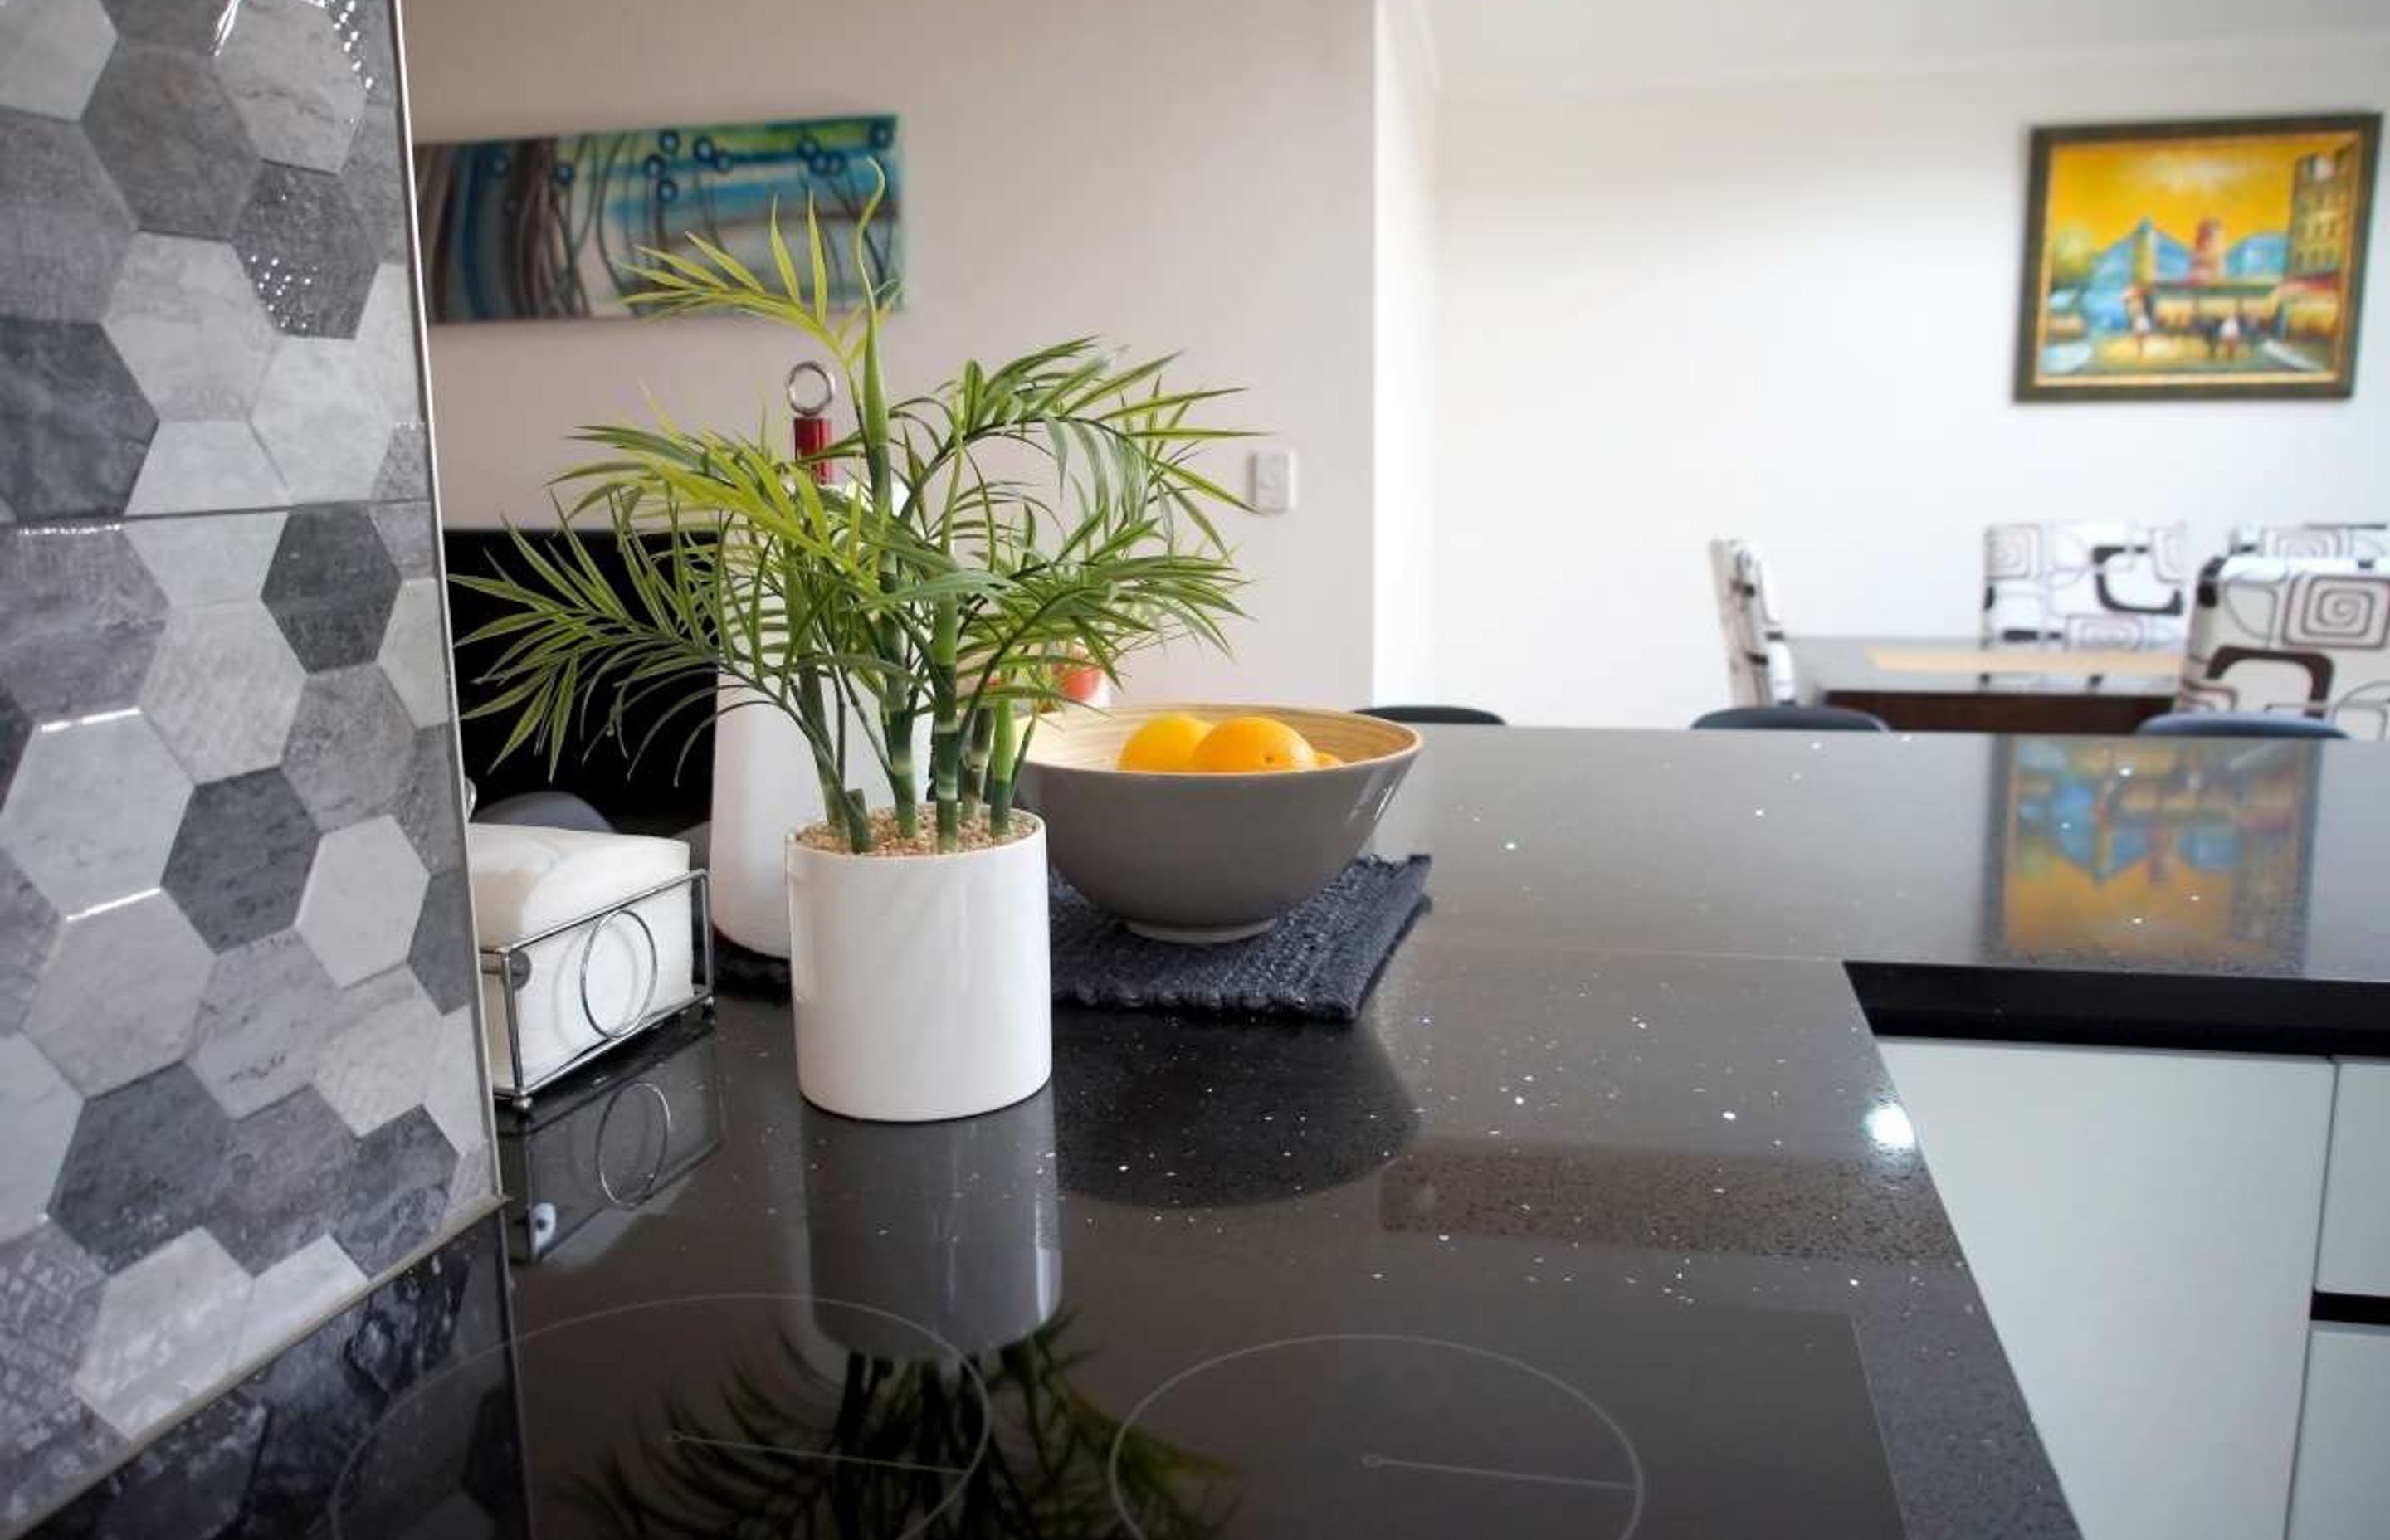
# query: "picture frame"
2205,259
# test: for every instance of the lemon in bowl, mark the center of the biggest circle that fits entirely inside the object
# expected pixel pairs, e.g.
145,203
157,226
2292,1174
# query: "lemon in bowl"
1199,845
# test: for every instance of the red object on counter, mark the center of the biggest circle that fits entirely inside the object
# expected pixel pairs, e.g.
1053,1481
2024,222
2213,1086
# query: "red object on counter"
812,438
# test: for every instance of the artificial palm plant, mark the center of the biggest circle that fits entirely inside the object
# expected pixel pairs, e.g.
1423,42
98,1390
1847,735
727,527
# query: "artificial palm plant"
1018,520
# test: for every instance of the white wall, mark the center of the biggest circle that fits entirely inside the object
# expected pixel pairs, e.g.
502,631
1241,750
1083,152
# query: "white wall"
1787,310
1188,177
1404,401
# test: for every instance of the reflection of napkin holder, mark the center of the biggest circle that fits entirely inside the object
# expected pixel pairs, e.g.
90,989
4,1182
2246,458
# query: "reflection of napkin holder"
954,1227
637,936
634,1128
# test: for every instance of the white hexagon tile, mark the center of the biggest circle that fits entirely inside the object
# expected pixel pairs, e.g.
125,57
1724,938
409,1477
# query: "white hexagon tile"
238,1069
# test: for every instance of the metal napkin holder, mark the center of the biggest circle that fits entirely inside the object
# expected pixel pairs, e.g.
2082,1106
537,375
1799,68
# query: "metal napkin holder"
511,963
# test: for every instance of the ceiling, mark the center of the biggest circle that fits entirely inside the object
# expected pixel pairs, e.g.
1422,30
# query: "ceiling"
1505,47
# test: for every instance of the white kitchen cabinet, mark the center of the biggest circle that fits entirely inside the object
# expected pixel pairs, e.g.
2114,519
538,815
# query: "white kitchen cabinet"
2343,1488
2355,1255
2142,1226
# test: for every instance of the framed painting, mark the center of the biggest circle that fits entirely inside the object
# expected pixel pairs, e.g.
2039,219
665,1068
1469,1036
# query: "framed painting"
523,230
2199,260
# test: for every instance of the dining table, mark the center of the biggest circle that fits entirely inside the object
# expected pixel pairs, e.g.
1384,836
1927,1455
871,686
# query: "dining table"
1956,685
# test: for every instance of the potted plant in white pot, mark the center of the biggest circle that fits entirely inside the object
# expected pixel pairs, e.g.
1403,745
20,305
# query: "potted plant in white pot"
986,538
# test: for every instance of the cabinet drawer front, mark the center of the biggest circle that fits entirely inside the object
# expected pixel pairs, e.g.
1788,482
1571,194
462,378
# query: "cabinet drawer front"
2342,1490
2355,1255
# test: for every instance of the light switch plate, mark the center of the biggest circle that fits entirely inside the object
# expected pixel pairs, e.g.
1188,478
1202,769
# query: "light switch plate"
1273,489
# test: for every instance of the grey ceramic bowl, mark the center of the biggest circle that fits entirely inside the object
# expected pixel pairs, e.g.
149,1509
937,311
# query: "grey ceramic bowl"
1208,858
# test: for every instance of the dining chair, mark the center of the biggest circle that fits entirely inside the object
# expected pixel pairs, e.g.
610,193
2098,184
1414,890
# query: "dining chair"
2091,585
2236,725
1789,719
2303,638
1450,716
2308,541
1759,663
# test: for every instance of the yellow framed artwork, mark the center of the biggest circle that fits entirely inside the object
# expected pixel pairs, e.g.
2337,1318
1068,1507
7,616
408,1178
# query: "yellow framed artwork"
2205,259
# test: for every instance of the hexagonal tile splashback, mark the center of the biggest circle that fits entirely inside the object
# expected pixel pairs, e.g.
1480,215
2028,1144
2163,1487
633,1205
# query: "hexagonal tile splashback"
239,1069
178,211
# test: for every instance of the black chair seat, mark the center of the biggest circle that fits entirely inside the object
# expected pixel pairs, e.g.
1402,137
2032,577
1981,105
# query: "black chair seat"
1450,716
2237,724
1791,719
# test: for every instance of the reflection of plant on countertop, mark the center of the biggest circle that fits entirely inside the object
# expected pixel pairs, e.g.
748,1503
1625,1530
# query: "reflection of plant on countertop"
887,1446
933,585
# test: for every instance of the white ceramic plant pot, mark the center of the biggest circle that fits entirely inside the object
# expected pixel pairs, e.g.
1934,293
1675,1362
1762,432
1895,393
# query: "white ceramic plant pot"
921,984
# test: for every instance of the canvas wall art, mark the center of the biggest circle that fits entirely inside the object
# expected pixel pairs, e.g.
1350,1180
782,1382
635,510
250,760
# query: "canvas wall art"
2196,260
522,229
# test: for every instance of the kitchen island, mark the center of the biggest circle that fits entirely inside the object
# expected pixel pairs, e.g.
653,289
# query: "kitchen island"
1609,1217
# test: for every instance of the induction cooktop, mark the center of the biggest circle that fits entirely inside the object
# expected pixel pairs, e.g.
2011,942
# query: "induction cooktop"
770,1415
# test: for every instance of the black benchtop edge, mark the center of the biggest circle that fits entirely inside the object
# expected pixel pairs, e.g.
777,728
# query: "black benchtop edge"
2139,1010
2348,1309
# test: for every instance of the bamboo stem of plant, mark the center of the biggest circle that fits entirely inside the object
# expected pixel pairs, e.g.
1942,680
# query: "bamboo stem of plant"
978,734
897,726
947,729
812,717
1004,762
858,821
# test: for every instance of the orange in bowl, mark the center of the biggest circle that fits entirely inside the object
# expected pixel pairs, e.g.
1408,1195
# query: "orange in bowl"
1165,745
1253,745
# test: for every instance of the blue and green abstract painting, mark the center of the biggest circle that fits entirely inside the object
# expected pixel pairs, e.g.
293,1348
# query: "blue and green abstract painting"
523,230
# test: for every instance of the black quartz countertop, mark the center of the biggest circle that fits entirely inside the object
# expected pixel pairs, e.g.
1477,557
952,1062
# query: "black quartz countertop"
1609,1182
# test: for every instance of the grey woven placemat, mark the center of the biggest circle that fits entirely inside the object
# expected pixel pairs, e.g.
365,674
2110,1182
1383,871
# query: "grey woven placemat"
1318,962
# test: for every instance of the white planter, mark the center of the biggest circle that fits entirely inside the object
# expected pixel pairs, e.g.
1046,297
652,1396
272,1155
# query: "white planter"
921,984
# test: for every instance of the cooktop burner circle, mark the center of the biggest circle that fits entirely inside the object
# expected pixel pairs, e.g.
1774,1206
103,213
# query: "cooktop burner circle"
1407,1434
664,1432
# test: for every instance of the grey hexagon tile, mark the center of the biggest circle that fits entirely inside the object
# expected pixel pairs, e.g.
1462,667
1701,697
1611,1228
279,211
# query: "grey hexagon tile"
64,226
38,1110
366,30
454,1090
268,1009
295,1293
224,688
429,804
398,1191
362,896
307,253
442,959
376,1066
386,332
51,52
349,749
415,653
406,527
209,560
322,419
331,587
49,1300
240,862
73,425
375,177
284,1172
403,481
291,82
473,1185
167,1330
187,323
79,619
178,23
206,467
29,934
122,997
161,122
94,811
147,1163
16,731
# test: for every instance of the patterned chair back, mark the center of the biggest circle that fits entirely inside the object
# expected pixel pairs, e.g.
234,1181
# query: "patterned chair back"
2097,584
1759,666
2304,542
2305,636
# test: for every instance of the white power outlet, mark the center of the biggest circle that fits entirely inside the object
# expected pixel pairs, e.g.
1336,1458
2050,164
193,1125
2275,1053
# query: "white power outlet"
1273,480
